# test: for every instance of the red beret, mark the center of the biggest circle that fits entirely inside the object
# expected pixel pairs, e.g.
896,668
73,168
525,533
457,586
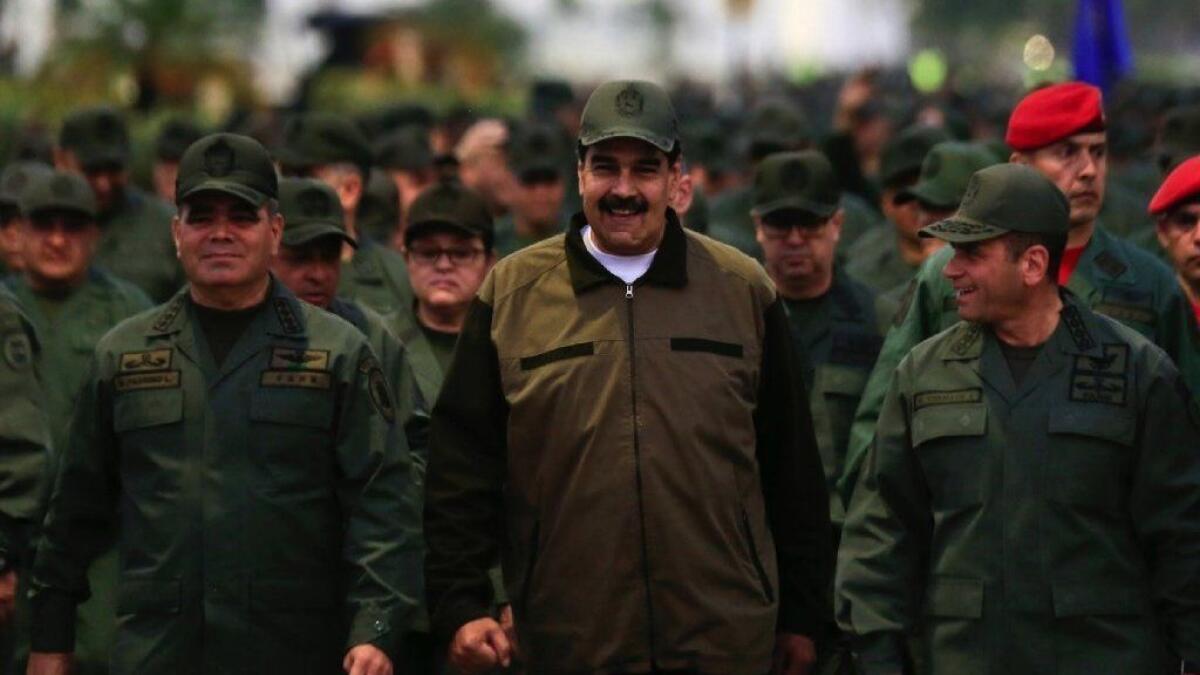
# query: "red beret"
1181,185
1053,113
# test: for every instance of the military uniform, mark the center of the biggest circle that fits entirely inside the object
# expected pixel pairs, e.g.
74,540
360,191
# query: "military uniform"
875,260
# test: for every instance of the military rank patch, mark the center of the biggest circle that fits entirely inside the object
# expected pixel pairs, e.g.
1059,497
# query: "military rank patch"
18,352
1101,379
926,399
287,318
1079,332
1127,313
163,379
970,335
377,387
1110,265
299,379
164,320
299,359
153,359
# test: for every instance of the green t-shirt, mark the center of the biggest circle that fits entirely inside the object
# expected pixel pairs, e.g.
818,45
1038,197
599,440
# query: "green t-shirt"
441,343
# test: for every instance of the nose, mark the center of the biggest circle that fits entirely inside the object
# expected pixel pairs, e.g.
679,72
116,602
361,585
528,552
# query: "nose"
1088,170
953,269
795,236
442,263
623,186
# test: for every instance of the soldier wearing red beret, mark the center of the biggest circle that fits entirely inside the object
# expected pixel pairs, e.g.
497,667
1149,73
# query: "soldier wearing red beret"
1176,208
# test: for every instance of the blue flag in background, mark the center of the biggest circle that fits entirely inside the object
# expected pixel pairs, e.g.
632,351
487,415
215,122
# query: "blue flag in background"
1102,51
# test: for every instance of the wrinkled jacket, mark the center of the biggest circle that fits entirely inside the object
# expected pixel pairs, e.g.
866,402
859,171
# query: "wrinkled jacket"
641,454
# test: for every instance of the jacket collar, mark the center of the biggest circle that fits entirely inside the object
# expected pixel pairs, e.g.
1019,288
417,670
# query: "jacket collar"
284,317
1075,334
668,269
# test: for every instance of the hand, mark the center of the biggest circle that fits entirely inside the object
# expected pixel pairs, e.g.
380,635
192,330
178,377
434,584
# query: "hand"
46,663
8,596
510,628
480,646
367,660
794,655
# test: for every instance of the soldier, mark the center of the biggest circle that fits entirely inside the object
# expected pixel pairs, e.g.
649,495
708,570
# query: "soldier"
174,137
1031,502
136,246
331,149
621,419
243,438
834,319
405,156
1059,131
13,181
1176,209
482,163
71,304
535,158
945,172
379,211
886,257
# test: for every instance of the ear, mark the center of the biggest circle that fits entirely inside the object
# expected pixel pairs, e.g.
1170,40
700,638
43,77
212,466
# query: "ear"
681,200
579,176
276,233
1019,158
349,191
1160,231
1035,265
835,224
758,230
176,224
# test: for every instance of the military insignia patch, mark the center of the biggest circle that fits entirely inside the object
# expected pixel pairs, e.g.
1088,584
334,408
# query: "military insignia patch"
926,399
166,379
377,387
301,379
629,102
287,318
970,336
1101,379
219,159
960,227
1079,332
164,320
154,359
1110,265
1126,313
299,359
18,352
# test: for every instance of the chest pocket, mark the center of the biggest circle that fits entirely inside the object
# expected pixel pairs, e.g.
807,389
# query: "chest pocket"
292,441
1090,451
294,406
950,445
147,409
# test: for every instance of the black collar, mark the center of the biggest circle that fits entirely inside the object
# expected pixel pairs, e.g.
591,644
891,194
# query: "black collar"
669,267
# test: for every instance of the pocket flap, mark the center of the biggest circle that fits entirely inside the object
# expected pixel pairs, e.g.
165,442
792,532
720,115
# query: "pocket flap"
1077,599
954,598
943,421
149,595
691,344
558,354
298,406
147,408
293,594
1095,421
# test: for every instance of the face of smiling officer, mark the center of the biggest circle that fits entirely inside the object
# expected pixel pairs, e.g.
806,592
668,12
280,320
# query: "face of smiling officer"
626,185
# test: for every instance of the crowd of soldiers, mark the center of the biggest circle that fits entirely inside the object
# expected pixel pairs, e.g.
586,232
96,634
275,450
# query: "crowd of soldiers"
612,388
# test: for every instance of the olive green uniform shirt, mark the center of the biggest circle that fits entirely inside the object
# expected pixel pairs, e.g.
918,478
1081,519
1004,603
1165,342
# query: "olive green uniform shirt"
875,260
264,507
1047,527
377,277
137,246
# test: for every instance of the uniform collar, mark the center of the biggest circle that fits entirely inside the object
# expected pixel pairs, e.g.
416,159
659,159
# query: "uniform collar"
668,269
1075,334
284,315
1104,258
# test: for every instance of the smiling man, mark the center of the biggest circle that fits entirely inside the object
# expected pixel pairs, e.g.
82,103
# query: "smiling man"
1031,501
621,421
239,442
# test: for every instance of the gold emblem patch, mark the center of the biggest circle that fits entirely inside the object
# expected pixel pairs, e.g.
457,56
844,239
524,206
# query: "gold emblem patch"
154,359
299,359
168,379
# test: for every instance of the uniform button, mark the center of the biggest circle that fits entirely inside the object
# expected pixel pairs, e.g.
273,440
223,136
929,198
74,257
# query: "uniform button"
379,626
965,420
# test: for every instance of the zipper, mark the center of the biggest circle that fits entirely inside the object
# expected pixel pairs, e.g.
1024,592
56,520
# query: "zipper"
637,463
758,566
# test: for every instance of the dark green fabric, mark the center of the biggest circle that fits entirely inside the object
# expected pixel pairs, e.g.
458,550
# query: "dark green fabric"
136,245
442,344
1019,359
630,109
1005,198
230,163
377,277
875,260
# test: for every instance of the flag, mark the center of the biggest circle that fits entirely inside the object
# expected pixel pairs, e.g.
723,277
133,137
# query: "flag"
1102,52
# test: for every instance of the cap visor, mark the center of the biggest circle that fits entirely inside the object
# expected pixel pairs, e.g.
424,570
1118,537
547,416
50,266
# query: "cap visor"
299,234
929,194
794,204
959,230
249,195
660,142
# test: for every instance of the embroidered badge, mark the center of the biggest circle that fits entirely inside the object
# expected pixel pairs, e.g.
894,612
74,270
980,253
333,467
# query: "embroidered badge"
219,159
970,335
300,379
630,102
1075,326
18,352
154,359
1126,313
287,318
1101,379
926,399
1110,265
377,387
299,359
166,379
164,320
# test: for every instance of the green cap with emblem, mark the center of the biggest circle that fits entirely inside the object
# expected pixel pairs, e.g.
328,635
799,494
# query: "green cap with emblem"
16,177
405,149
1005,198
536,149
317,139
230,163
449,205
630,109
58,191
945,173
802,181
98,137
903,154
310,210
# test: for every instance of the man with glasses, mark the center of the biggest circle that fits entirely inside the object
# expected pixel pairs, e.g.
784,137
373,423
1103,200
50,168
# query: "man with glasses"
1176,208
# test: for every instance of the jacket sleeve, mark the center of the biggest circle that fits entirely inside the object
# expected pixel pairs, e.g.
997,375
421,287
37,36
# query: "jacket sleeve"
1178,334
793,484
1165,505
464,481
382,550
881,558
79,518
24,439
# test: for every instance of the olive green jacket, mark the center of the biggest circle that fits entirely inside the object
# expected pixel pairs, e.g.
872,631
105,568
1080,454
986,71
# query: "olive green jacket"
875,260
264,507
1113,277
24,430
137,246
640,454
1051,527
377,277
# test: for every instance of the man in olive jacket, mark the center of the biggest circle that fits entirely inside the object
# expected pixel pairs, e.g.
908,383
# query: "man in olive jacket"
242,442
622,425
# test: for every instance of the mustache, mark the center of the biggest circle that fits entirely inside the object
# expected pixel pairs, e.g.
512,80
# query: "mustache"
612,203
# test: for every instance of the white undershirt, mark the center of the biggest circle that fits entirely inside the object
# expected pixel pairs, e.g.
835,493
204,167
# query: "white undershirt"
627,268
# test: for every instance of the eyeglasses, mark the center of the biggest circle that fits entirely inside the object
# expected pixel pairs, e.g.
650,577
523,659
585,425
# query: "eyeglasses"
456,256
1183,221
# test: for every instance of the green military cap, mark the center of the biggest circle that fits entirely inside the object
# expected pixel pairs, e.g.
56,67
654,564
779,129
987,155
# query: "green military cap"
536,148
945,173
1005,198
229,163
903,153
1180,136
315,139
802,181
379,210
394,117
630,109
98,137
548,95
707,144
450,205
310,210
405,149
16,178
777,125
175,137
58,191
